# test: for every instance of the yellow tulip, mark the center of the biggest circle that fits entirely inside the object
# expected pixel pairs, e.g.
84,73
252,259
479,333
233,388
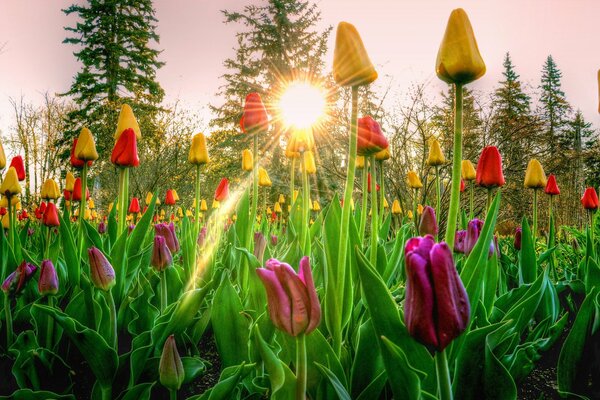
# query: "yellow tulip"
189,213
203,205
414,182
127,120
289,208
409,214
385,203
360,162
110,206
86,146
458,59
351,63
69,182
175,195
50,190
396,207
94,214
420,209
179,212
289,150
383,154
91,204
5,221
10,185
281,199
247,160
4,201
215,204
263,178
198,154
277,208
162,213
535,177
436,156
2,157
316,206
149,196
18,205
87,214
468,170
269,211
309,162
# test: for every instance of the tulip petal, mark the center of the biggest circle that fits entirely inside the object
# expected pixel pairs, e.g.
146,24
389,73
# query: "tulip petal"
418,305
298,295
277,299
305,275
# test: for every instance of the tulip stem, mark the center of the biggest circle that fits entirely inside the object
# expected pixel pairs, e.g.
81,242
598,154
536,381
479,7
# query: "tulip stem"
172,394
106,393
443,376
254,191
535,212
82,205
301,367
456,166
112,340
123,195
374,214
305,209
345,220
11,222
8,319
47,247
365,198
292,178
197,207
438,191
382,192
489,201
50,325
163,291
415,219
471,216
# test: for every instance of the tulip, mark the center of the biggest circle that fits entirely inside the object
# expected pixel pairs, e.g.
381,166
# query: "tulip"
281,198
15,283
198,154
175,195
2,157
370,137
590,199
436,308
170,367
69,182
458,60
535,178
161,255
203,205
50,216
396,210
85,146
134,206
202,236
351,63
274,240
263,178
316,206
124,152
48,282
50,190
360,162
489,168
383,155
517,242
75,161
215,204
385,203
102,228
309,162
17,164
459,241
428,224
76,195
260,243
222,191
10,185
255,116
101,271
168,232
436,156
369,184
468,170
414,182
247,160
551,186
474,228
127,121
39,211
277,208
462,185
170,198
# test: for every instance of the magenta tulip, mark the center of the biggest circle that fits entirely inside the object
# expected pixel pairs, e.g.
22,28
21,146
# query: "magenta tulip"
48,282
17,280
161,255
168,232
102,272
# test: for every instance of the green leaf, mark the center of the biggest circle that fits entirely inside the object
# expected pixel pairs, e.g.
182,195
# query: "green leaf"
28,394
136,237
335,382
273,364
139,392
367,363
70,252
527,259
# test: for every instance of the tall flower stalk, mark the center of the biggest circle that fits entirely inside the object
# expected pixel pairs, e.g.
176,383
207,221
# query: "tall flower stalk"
374,214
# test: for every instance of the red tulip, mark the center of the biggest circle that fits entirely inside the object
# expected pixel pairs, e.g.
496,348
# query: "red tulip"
222,191
255,115
552,187
170,198
134,206
3,211
125,152
76,162
590,199
17,162
23,215
76,195
67,194
428,224
50,217
518,235
39,211
462,185
489,168
369,184
436,308
370,137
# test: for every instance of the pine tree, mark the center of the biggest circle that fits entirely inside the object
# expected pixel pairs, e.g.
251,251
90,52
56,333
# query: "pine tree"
114,40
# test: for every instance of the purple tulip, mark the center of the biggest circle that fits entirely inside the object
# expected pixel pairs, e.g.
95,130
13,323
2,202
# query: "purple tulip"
292,299
459,241
428,224
259,246
102,273
16,281
168,232
161,255
130,228
30,231
518,233
273,240
202,236
473,231
436,308
48,282
102,228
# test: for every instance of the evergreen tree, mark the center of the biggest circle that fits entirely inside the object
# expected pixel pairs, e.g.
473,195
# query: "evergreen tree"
114,40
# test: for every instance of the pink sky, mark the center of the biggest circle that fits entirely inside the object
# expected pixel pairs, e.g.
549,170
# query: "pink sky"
402,38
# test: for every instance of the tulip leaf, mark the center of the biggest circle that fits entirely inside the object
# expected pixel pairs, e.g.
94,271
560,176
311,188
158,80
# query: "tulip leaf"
367,363
70,252
241,224
28,394
136,237
139,392
410,378
272,363
340,390
101,357
527,259
373,390
93,236
228,381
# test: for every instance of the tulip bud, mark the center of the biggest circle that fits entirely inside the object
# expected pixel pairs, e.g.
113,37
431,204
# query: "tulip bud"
396,210
489,168
414,182
260,244
428,224
85,147
247,160
222,191
215,204
168,232
436,308
535,178
76,195
134,206
255,116
360,162
50,216
127,121
292,299
385,203
290,150
202,236
370,137
170,368
462,185
2,157
459,241
551,186
198,153
436,157
309,163
48,282
102,228
281,199
383,155
517,242
10,185
39,211
273,240
69,182
125,152
351,63
263,178
316,206
473,230
15,283
102,272
50,190
369,184
17,163
458,59
277,208
203,205
590,199
170,198
161,255
468,170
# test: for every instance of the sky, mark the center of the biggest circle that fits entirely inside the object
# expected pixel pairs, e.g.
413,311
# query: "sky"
401,36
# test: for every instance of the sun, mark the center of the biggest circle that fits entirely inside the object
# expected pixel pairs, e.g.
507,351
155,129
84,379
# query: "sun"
302,105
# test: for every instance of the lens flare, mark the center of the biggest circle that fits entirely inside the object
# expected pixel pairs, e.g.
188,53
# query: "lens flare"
302,105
